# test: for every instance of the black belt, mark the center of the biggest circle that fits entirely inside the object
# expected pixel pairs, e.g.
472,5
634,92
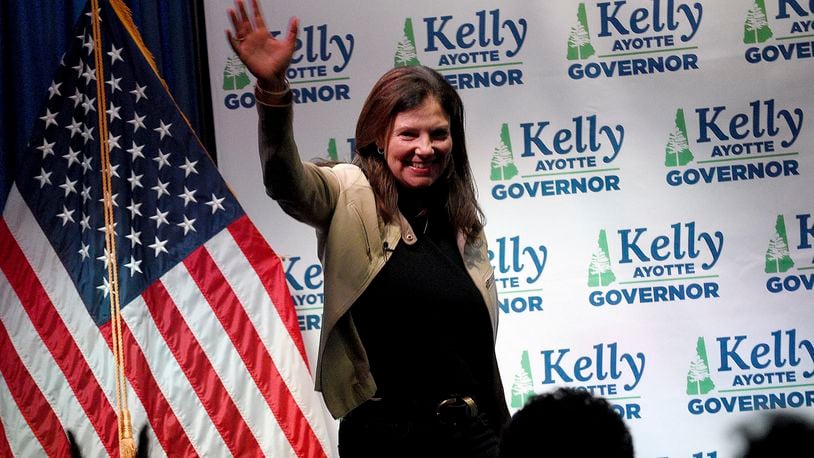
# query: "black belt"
453,410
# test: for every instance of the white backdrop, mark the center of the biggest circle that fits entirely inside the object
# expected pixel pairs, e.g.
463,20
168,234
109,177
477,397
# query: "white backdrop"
645,168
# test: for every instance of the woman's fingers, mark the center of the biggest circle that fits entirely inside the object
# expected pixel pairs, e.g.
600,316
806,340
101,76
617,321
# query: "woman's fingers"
244,16
258,15
293,26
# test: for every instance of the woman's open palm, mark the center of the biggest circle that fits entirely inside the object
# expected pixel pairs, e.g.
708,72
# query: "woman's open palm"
266,57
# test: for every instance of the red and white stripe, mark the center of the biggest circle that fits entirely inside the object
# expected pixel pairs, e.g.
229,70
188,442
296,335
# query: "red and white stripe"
215,361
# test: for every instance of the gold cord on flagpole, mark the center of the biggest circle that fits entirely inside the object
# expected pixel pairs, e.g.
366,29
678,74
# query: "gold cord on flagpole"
127,446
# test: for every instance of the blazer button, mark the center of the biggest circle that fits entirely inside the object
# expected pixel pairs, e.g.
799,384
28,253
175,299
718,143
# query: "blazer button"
409,236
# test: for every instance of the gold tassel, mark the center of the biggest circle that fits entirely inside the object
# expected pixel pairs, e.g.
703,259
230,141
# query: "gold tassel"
127,445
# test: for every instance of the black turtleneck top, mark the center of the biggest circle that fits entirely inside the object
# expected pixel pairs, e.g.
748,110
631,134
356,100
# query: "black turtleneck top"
422,321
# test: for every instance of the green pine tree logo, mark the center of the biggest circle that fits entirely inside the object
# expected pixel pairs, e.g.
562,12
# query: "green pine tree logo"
502,163
677,151
777,254
332,153
579,39
698,381
235,75
599,271
523,386
406,54
756,25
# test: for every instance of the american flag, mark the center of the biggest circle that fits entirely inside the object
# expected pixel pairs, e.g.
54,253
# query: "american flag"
215,363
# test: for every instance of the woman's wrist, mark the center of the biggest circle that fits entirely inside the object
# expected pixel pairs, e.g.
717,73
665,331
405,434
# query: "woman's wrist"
274,92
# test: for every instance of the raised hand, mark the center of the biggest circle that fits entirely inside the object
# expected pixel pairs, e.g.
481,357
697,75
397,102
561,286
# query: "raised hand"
266,58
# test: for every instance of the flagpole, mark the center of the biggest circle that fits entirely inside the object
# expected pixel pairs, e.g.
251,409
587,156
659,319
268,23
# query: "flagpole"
127,446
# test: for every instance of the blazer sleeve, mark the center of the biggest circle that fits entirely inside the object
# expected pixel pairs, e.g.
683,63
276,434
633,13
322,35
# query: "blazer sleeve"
304,190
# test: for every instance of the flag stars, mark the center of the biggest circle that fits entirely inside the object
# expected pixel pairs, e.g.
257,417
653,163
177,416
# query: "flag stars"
113,82
98,14
135,151
71,156
78,97
85,193
159,218
188,225
80,69
88,43
134,237
188,167
86,164
85,223
89,104
216,203
69,186
66,216
188,196
113,200
134,209
84,251
44,178
113,141
89,74
46,148
137,122
160,189
162,159
113,112
49,118
159,246
105,287
54,89
163,129
114,171
133,265
87,133
139,92
103,230
115,54
75,127
135,180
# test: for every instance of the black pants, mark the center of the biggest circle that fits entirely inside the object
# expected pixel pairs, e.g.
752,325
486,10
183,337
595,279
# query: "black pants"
381,430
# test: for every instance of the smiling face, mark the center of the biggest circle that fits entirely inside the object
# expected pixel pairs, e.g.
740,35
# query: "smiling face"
419,145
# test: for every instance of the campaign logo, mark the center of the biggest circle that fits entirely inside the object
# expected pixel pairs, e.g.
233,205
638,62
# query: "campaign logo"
735,143
660,36
305,282
761,371
472,52
518,269
406,53
345,153
676,265
793,26
698,375
523,383
317,73
604,369
599,270
784,275
235,75
572,159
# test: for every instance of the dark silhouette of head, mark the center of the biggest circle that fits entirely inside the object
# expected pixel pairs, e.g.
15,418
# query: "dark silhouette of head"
567,422
783,435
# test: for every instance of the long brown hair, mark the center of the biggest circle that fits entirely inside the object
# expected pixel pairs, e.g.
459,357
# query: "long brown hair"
402,89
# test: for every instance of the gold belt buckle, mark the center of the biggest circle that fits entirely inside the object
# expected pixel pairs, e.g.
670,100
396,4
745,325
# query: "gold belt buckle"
464,405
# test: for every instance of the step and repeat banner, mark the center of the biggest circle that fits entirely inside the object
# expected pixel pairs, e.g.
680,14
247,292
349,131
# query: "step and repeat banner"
646,169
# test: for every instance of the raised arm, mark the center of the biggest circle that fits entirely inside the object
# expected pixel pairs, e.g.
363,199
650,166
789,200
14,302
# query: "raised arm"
304,191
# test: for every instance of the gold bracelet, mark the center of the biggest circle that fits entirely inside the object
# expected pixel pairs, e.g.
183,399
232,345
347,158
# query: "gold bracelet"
273,98
279,93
